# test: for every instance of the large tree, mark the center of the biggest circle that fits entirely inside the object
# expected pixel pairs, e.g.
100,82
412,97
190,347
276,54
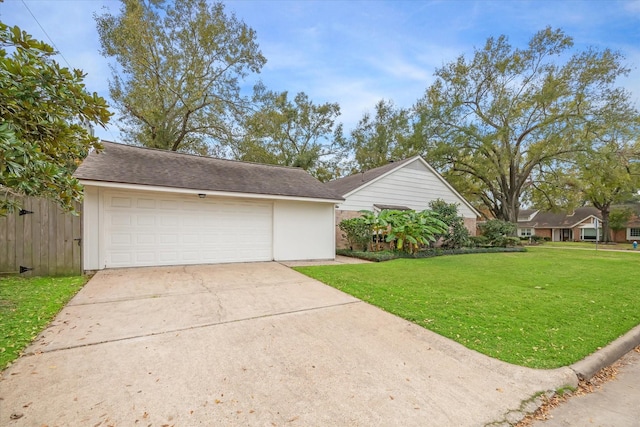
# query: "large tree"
606,172
45,111
293,132
382,137
496,117
177,70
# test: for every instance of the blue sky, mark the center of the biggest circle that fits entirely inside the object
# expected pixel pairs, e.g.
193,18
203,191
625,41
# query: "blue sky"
356,52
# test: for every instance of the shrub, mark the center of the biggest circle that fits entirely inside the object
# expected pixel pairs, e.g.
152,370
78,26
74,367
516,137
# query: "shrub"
478,241
538,239
357,232
456,235
496,231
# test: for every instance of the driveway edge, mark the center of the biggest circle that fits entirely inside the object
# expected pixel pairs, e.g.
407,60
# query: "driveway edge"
586,368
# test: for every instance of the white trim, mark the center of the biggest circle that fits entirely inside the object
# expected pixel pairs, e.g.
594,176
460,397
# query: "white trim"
629,236
430,168
140,187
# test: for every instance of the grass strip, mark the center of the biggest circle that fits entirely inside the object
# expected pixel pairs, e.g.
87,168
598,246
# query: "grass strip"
27,305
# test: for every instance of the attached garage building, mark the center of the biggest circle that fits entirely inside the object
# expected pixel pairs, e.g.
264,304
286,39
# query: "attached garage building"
146,207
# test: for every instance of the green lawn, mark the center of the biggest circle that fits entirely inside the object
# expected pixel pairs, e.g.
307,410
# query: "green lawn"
543,308
27,306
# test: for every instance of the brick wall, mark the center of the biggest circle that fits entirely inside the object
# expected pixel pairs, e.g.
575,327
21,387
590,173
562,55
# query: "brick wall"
341,242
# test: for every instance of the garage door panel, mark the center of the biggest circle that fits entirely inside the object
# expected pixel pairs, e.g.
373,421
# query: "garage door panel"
145,230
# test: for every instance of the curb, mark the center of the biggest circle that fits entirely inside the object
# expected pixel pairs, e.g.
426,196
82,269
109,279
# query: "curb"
589,366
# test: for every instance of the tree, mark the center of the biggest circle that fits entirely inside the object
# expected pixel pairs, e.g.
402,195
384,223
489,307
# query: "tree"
177,69
44,112
498,118
603,174
384,137
619,217
293,133
605,178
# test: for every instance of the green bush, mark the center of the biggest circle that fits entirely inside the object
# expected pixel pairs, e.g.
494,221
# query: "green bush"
498,232
427,253
538,239
456,235
357,232
478,241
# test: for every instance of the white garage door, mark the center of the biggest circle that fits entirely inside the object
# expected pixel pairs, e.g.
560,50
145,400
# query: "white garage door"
141,229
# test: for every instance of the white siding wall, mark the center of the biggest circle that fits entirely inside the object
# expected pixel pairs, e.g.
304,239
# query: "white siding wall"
91,228
303,230
413,186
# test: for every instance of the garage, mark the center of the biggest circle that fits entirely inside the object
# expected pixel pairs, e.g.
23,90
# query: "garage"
145,229
144,207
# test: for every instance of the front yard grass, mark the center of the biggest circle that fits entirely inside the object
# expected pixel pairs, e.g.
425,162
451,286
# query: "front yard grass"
544,308
27,305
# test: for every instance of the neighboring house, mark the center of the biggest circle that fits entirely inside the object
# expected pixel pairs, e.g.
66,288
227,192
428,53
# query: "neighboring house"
145,207
407,184
579,225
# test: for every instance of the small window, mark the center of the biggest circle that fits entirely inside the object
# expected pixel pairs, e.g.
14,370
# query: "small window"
525,232
634,232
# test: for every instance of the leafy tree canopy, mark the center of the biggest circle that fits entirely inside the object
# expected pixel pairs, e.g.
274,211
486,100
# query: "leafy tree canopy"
44,113
293,132
177,70
507,116
383,137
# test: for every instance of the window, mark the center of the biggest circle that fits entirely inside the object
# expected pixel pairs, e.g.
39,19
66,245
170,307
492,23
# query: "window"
634,232
525,232
589,234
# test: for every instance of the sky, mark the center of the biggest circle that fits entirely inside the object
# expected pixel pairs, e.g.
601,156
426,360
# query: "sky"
354,53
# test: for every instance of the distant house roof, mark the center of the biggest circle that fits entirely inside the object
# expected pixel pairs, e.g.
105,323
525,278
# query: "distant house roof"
559,220
119,163
346,185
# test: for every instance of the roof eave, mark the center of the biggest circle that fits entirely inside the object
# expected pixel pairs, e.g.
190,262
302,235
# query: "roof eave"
178,190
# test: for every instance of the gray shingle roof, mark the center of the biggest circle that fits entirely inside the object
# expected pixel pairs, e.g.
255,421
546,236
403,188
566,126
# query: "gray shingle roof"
349,183
560,220
120,163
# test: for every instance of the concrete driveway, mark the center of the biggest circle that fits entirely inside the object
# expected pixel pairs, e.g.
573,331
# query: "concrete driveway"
254,345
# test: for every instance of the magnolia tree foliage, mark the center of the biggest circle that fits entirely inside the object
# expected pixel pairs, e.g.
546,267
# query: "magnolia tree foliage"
44,113
499,121
177,71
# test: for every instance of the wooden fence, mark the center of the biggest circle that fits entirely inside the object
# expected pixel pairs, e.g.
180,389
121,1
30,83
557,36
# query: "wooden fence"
40,240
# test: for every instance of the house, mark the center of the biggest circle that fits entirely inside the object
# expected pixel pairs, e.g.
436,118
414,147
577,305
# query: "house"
146,207
578,225
407,184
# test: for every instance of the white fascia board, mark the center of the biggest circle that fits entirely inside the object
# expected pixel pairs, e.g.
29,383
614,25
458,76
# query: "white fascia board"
590,225
139,187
